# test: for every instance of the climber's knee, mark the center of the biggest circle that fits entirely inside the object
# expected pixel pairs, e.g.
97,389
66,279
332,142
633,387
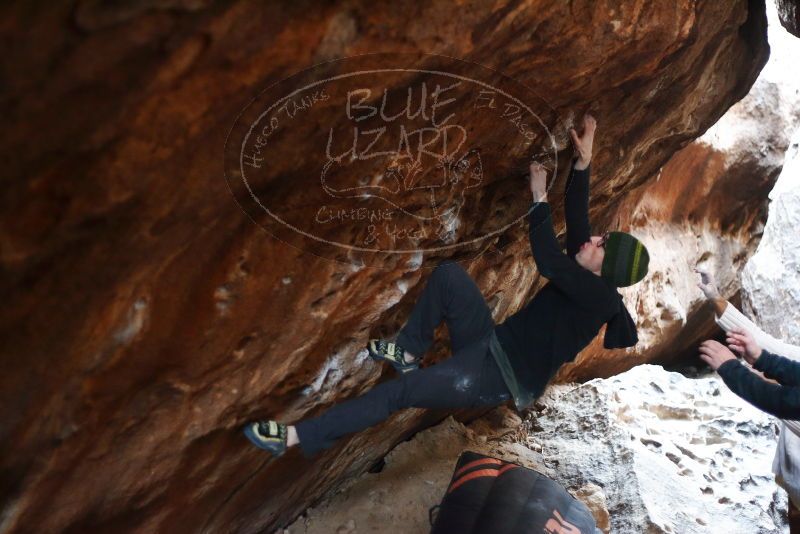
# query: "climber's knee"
465,391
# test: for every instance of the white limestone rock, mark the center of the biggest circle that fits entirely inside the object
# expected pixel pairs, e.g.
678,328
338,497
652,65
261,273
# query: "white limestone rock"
672,454
771,278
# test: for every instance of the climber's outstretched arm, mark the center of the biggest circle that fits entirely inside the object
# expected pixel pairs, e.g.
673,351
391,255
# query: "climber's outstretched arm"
583,287
576,194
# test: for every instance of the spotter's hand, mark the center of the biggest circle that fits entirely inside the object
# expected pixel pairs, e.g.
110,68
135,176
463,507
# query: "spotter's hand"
707,284
743,343
715,353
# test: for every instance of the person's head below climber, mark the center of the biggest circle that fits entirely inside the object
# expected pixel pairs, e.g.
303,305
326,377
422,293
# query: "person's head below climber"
618,257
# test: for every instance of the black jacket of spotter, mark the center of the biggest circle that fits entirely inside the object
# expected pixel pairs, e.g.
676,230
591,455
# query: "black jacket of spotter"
781,400
568,312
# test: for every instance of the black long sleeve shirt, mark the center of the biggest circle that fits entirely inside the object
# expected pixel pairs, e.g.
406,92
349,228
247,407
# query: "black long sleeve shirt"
781,400
567,313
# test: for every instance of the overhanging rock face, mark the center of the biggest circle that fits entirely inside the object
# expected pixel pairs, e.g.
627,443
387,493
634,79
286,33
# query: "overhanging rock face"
146,318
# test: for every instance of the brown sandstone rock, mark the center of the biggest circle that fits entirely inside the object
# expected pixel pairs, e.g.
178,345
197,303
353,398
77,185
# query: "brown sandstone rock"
146,318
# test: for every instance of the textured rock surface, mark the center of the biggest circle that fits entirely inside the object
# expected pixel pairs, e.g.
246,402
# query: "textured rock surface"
672,454
771,278
146,318
647,451
790,15
707,208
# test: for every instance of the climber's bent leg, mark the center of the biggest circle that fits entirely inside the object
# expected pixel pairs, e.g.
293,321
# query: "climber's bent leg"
451,295
468,379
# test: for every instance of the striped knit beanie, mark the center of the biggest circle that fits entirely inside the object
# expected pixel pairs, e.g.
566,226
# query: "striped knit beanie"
625,261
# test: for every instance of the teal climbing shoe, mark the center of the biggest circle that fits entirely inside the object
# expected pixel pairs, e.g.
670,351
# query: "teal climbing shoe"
382,350
267,435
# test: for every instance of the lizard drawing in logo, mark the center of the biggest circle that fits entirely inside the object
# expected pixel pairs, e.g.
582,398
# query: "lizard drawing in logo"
429,188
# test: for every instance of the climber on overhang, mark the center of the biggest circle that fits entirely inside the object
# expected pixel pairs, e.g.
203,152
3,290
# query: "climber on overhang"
491,364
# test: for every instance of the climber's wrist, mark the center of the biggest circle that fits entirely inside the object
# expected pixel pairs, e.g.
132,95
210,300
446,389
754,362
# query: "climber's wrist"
582,162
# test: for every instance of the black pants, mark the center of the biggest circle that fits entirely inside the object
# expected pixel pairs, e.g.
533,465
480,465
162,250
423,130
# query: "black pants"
468,379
